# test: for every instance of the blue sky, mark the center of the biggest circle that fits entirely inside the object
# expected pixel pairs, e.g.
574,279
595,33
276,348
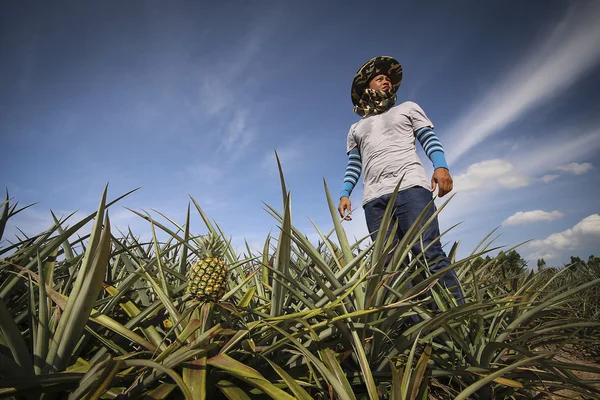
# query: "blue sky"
192,97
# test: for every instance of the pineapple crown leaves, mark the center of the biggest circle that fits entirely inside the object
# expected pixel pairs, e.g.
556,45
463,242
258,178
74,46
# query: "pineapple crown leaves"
211,245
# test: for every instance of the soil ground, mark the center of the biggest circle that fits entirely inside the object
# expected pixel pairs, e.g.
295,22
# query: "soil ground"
575,356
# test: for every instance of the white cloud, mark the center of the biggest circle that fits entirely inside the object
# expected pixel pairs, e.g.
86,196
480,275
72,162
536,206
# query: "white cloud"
488,174
546,255
575,168
549,178
515,182
586,231
564,57
526,217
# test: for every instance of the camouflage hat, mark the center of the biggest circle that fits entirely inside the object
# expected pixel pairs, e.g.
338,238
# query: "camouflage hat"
376,66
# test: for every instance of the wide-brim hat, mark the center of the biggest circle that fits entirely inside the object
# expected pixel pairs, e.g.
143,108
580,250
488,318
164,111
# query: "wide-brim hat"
376,66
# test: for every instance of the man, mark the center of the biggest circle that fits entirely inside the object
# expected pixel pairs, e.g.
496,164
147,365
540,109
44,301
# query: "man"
382,144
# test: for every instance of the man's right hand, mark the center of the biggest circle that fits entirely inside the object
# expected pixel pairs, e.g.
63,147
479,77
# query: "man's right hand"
345,206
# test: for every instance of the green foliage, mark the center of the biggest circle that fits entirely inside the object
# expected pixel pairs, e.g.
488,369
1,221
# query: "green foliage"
586,306
102,316
541,264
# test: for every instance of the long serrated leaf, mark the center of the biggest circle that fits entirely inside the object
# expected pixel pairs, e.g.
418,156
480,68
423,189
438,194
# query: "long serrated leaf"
504,381
364,365
239,335
106,383
419,372
165,300
66,246
163,391
247,297
262,285
468,391
243,283
46,384
161,272
4,215
92,377
339,230
282,260
194,376
40,349
328,375
231,391
80,305
408,369
334,366
184,249
31,317
284,192
291,383
14,340
247,374
162,369
89,278
396,382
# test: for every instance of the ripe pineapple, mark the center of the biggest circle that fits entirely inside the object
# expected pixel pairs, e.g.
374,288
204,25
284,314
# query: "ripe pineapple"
208,275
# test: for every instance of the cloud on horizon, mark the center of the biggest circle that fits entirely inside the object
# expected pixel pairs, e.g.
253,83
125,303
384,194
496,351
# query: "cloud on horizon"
585,231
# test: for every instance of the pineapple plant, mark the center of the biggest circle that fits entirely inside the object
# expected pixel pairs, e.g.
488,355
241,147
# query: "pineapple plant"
208,275
307,324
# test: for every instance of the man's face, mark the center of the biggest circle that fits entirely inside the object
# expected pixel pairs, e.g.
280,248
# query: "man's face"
380,82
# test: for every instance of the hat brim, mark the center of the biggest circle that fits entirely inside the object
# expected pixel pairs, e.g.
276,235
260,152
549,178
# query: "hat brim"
382,65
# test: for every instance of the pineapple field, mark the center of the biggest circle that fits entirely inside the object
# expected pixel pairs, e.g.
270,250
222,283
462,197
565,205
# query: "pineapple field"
109,316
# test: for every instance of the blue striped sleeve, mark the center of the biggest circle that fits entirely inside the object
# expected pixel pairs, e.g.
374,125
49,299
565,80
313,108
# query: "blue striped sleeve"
352,174
432,147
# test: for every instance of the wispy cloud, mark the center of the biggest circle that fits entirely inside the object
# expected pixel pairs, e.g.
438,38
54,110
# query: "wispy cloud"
527,217
207,173
487,175
585,231
220,80
226,89
237,133
563,58
576,168
557,150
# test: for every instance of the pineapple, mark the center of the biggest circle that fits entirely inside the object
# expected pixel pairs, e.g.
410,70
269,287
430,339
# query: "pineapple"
208,275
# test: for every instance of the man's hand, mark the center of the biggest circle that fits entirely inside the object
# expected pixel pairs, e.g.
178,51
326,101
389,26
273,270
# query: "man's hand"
441,177
345,205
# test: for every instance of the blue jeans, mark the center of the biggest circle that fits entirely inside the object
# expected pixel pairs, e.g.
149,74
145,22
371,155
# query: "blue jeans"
409,204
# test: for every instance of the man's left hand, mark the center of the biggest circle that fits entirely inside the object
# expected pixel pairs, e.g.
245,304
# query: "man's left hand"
441,177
